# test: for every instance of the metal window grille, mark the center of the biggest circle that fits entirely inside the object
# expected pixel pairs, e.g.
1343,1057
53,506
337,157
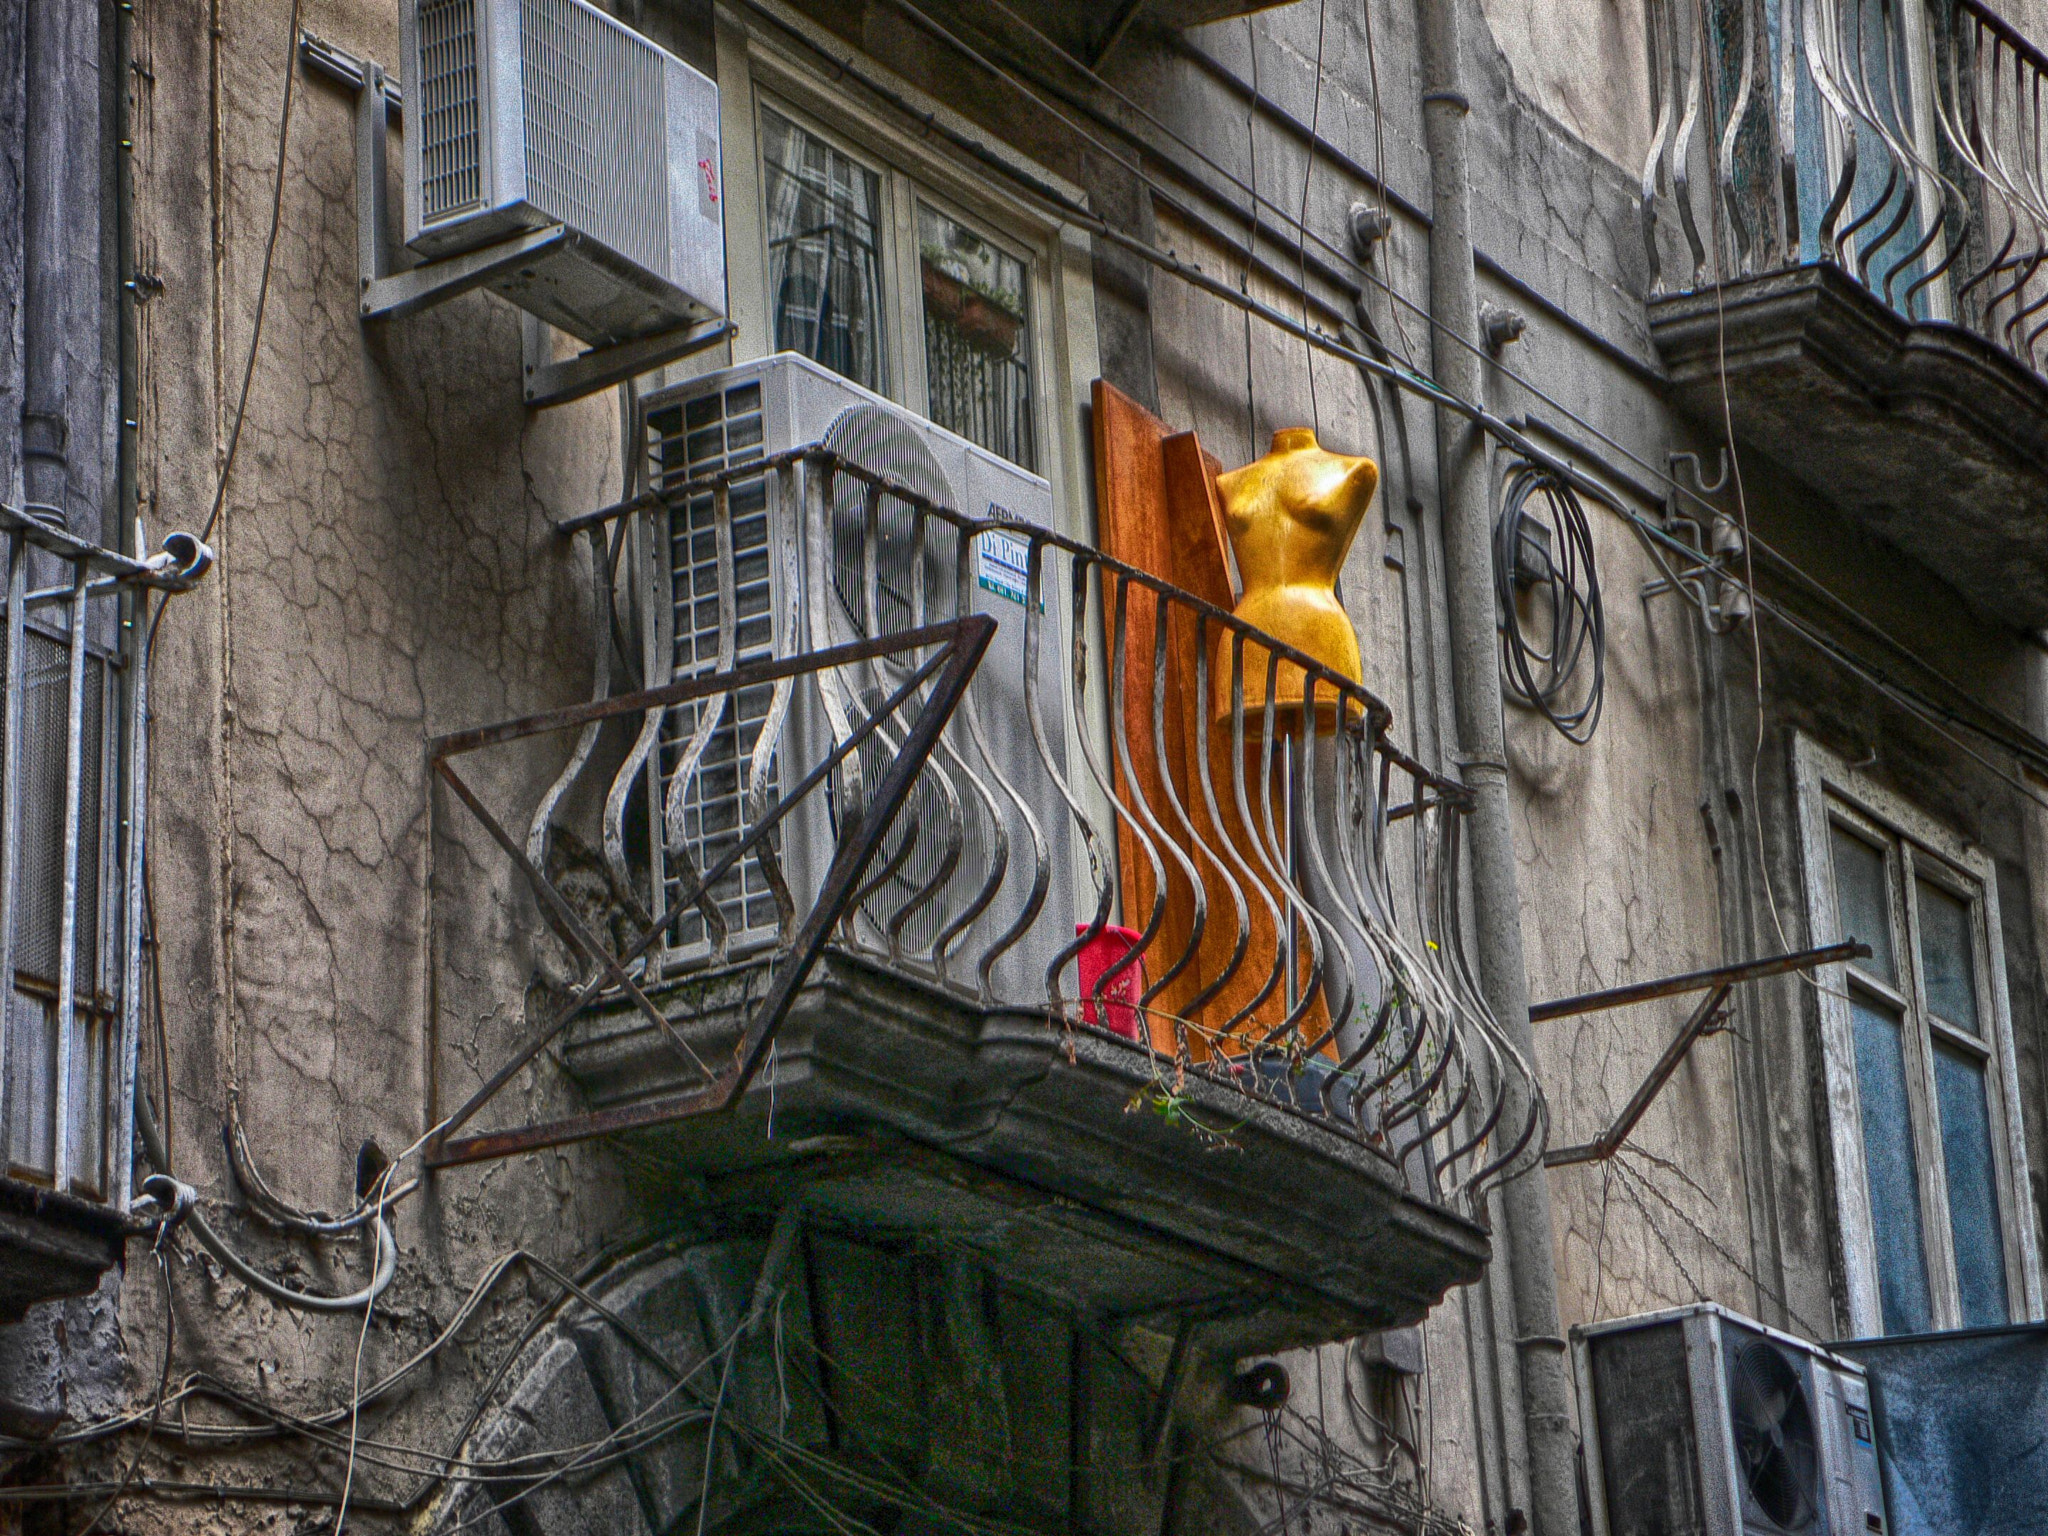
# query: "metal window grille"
695,439
451,167
64,1041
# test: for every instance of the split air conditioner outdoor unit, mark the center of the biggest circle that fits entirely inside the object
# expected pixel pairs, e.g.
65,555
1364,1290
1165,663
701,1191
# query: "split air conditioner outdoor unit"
878,585
527,113
1701,1423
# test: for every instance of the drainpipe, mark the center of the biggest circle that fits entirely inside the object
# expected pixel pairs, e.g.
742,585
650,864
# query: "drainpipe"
1475,677
52,67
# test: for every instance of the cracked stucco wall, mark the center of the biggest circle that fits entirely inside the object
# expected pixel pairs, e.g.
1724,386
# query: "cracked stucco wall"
388,573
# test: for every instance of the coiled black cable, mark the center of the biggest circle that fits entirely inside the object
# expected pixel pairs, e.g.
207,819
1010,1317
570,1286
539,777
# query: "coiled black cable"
1561,587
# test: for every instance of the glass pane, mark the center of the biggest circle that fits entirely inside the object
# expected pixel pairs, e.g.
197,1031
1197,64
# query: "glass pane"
1860,902
824,263
1888,1165
977,335
1946,956
1972,1188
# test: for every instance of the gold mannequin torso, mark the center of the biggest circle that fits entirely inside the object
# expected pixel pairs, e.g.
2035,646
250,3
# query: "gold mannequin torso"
1291,517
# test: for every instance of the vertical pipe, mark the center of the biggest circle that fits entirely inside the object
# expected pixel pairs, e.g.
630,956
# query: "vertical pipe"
11,661
131,609
48,274
135,726
67,931
1468,576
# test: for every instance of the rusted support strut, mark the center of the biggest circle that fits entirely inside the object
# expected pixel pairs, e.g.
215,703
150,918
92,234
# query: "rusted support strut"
959,646
1710,1015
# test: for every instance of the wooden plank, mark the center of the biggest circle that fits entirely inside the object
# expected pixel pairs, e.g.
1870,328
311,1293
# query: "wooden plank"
1157,508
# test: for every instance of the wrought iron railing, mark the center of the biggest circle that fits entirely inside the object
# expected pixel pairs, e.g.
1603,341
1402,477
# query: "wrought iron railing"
1905,141
73,708
1086,822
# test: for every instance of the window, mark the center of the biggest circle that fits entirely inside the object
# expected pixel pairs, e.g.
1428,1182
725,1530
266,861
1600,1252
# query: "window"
858,241
827,289
1930,1170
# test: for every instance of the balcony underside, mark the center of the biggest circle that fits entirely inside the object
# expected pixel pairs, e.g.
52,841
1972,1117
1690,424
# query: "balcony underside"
1090,30
51,1246
904,1111
1925,433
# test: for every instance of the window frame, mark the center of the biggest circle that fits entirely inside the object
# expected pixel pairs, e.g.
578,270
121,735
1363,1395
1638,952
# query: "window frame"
757,69
1832,795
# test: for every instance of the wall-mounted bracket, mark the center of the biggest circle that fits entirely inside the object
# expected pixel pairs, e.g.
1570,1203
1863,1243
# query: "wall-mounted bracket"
390,292
1710,1015
549,382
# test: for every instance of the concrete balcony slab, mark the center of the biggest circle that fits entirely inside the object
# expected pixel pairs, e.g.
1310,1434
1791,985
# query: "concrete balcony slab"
1064,1160
1927,434
52,1246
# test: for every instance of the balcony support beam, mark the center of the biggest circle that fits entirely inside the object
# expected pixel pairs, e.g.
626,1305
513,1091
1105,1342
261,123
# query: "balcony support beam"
1546,1391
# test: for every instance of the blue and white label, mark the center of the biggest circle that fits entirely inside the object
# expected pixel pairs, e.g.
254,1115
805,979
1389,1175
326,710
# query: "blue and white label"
1003,566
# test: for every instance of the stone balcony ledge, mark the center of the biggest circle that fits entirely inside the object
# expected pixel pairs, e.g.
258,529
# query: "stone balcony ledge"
1058,1157
1928,434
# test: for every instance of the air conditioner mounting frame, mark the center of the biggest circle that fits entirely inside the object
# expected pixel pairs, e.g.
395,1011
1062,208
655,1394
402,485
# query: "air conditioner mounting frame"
390,293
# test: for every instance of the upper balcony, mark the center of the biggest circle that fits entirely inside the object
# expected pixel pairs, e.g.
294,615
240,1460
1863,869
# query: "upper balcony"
946,882
1859,273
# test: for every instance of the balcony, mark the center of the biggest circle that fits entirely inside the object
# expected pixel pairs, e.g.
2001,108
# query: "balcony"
1861,263
979,910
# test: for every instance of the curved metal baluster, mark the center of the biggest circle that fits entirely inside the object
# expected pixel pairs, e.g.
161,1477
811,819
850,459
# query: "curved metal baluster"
1737,111
998,861
760,764
1200,892
1334,970
1818,26
1100,870
709,712
832,690
1681,160
1041,858
538,830
1100,776
1228,856
1785,124
1152,834
661,671
1663,48
1237,744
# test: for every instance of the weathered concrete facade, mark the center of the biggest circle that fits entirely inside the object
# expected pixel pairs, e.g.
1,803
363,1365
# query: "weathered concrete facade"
342,957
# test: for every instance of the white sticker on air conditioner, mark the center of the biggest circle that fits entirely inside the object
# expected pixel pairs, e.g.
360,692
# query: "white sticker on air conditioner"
1003,566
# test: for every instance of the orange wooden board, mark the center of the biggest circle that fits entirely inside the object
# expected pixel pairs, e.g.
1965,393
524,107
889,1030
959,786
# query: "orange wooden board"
1157,510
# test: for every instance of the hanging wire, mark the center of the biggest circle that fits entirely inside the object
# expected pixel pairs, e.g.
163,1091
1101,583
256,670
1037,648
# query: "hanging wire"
1543,561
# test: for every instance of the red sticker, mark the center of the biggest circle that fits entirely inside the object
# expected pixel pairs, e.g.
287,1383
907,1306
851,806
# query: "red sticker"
710,178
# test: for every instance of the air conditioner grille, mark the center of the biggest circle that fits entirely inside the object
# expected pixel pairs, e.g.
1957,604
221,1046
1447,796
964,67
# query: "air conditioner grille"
451,167
701,437
596,129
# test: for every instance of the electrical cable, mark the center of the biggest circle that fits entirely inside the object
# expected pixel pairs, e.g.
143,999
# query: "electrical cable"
284,129
2010,735
166,1231
1308,171
1542,671
304,1301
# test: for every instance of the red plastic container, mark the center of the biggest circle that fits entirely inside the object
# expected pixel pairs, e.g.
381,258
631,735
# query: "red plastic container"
1120,996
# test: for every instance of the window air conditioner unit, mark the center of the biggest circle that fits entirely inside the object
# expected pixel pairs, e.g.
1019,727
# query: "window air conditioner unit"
1702,1423
526,113
763,408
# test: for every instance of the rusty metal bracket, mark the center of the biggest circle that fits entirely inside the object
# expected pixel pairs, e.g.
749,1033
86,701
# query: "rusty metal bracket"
1710,1015
1699,981
957,645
